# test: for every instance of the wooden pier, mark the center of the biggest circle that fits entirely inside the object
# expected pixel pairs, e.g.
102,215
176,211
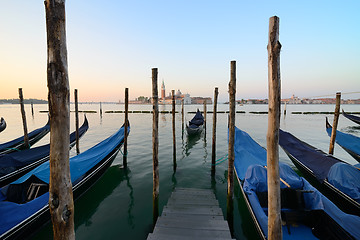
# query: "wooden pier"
191,214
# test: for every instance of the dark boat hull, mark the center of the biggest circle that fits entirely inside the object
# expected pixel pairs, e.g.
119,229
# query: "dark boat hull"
343,201
2,125
355,119
21,145
251,211
31,225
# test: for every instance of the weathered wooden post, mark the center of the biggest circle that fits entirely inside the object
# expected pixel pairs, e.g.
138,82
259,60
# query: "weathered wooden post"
32,109
335,123
23,115
285,109
182,116
173,129
77,121
213,152
205,115
155,141
126,126
60,187
100,110
231,153
274,46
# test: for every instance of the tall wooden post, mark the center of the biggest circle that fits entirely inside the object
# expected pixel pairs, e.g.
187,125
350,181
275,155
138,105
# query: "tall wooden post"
182,116
60,187
32,109
100,110
285,109
77,121
155,141
126,126
173,128
213,152
231,153
205,115
335,123
274,46
23,115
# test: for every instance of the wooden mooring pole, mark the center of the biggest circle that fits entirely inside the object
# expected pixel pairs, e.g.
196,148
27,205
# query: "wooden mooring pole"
23,115
60,187
205,115
126,126
32,109
100,110
173,129
231,153
285,109
335,123
274,216
155,142
77,121
213,150
182,116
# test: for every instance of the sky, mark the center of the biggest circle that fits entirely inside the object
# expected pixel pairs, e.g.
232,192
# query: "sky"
114,44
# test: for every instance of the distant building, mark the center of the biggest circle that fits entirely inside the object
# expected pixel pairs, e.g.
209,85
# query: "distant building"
200,100
163,90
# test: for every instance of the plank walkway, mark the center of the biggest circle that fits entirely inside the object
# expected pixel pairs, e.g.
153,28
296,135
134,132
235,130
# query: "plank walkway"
191,214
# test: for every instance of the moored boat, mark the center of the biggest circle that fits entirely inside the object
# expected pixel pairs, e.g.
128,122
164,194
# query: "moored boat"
196,124
348,142
338,180
24,203
2,124
307,213
353,118
14,165
19,144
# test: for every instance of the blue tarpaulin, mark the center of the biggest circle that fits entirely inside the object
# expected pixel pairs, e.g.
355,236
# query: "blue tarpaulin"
250,159
16,160
19,140
13,213
347,141
197,120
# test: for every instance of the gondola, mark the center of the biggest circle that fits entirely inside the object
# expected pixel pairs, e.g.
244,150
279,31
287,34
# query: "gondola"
2,124
348,142
353,118
338,180
196,124
18,143
14,165
305,212
24,205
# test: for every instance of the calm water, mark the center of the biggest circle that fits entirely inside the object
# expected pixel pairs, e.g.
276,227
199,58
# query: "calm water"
119,205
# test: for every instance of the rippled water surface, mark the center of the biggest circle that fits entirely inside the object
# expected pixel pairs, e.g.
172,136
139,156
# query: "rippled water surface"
119,205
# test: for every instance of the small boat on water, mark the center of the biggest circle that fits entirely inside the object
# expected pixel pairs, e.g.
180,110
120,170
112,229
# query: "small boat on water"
24,205
18,143
353,118
348,142
338,180
305,212
14,165
2,124
196,124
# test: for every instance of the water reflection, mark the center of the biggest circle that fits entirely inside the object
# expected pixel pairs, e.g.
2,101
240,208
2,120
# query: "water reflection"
89,203
191,141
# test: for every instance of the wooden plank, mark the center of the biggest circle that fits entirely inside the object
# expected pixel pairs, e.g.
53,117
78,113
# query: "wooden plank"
207,224
178,195
195,201
196,217
191,233
159,236
202,211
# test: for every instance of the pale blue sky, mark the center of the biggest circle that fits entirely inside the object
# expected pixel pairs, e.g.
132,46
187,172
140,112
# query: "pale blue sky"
114,44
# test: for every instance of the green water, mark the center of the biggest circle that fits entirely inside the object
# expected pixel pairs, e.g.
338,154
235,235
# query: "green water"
119,205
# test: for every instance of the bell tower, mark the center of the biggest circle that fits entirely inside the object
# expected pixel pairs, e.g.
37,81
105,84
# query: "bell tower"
163,90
